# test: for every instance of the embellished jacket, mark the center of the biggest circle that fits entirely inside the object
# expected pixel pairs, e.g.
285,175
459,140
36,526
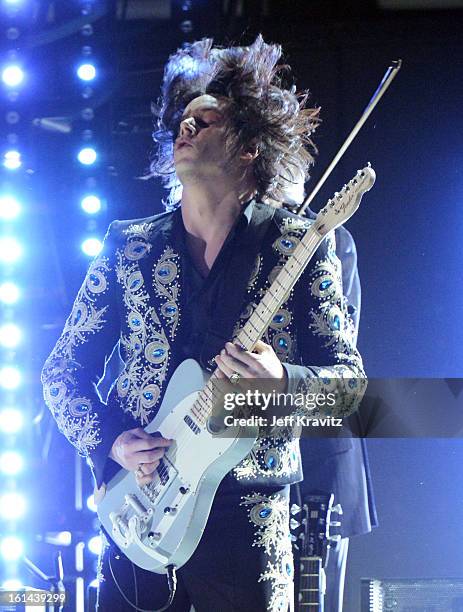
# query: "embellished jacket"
131,296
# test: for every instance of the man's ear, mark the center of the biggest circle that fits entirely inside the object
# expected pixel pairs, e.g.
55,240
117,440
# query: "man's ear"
250,153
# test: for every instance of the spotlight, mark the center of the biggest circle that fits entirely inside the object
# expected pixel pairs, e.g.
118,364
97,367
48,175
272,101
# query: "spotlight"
92,246
91,503
12,75
91,204
10,249
95,545
9,293
12,160
87,156
86,72
10,335
11,462
9,207
12,584
10,377
11,420
11,548
12,505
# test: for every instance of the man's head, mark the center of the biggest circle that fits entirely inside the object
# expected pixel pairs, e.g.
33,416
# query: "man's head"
237,94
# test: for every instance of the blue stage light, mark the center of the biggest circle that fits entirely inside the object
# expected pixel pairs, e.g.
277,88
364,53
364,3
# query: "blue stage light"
86,72
91,204
12,75
95,545
10,335
87,156
12,505
11,548
10,249
10,377
91,503
9,293
11,420
91,246
12,160
11,462
9,207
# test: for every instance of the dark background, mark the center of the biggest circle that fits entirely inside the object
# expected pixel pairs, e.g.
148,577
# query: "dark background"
408,229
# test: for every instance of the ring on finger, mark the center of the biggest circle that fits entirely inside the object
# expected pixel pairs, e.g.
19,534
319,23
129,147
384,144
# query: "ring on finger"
234,378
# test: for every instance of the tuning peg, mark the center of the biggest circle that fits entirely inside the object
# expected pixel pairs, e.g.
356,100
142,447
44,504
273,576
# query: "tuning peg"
338,509
295,509
335,538
293,538
294,524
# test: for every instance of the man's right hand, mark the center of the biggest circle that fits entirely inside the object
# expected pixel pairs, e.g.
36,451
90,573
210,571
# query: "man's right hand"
139,452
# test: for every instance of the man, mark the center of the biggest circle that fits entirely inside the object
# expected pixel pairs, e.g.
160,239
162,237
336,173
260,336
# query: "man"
180,285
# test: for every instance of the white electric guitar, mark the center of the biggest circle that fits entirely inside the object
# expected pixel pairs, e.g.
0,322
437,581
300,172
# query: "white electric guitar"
161,524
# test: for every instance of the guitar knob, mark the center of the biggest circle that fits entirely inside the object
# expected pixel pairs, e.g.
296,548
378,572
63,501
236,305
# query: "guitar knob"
338,509
294,524
295,509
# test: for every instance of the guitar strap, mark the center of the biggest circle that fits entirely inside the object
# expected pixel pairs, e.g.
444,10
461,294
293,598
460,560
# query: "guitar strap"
232,293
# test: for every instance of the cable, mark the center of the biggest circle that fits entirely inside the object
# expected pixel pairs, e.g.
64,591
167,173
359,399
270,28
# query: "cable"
171,581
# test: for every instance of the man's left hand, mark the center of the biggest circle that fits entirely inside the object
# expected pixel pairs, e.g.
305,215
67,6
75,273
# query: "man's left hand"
261,363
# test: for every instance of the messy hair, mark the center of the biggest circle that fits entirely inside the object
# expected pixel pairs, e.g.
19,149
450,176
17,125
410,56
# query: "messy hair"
262,112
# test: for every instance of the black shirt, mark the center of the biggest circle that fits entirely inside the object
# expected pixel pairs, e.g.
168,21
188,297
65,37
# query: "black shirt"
200,297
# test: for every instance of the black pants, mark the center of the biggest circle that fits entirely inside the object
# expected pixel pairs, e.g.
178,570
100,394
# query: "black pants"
243,562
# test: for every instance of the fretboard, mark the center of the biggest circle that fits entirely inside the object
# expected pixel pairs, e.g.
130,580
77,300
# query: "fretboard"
310,592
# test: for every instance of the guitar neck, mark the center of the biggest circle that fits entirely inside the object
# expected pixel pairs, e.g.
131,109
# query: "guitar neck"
311,585
280,288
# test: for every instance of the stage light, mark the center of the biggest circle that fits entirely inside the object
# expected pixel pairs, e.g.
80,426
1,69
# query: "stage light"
12,75
11,548
11,462
91,246
86,72
10,335
9,293
12,160
10,249
91,204
10,377
9,207
94,583
91,503
95,545
11,420
12,584
87,156
12,505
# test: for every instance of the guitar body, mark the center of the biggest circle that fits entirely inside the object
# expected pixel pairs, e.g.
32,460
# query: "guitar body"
161,524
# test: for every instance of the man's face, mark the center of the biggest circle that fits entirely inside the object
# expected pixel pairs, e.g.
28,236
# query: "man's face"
199,149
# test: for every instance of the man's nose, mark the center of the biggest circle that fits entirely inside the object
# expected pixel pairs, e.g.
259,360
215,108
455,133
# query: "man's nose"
187,127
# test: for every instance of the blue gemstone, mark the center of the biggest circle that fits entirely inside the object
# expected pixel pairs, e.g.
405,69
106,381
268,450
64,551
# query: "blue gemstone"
170,309
139,249
326,381
77,317
352,383
125,383
278,318
94,280
293,456
136,322
81,408
135,283
159,352
336,324
325,284
54,391
148,395
287,244
271,461
289,569
282,342
164,272
265,513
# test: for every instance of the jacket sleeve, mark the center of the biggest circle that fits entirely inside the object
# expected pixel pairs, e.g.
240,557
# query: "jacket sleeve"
329,361
77,363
